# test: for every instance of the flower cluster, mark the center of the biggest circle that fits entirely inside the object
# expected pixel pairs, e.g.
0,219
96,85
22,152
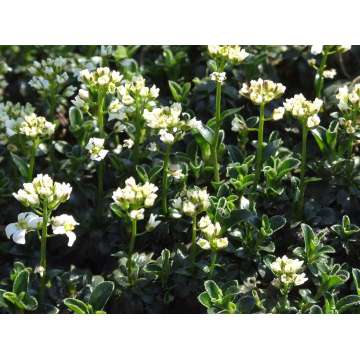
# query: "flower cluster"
304,110
318,49
349,101
133,198
262,91
43,189
32,126
233,54
211,233
43,195
168,122
132,96
288,273
50,71
194,202
11,116
135,88
96,149
100,81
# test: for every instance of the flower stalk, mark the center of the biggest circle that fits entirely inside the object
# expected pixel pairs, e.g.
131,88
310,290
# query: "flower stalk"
212,264
131,249
193,241
216,132
101,167
43,263
259,147
305,132
319,78
165,182
32,159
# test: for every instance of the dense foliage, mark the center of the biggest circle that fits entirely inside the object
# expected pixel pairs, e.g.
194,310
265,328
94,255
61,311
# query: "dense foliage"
179,179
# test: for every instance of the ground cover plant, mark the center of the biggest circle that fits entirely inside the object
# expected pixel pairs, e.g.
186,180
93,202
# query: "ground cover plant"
179,179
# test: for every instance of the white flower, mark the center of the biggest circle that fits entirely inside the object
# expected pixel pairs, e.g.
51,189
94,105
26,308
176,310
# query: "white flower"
188,208
195,124
262,91
64,224
152,223
204,244
118,149
219,77
137,214
316,49
166,137
96,149
300,279
329,74
278,113
313,121
83,94
237,124
128,143
175,171
204,222
27,221
221,243
152,147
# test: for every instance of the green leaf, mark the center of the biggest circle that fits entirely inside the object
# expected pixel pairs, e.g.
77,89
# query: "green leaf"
117,210
205,300
356,278
21,164
277,222
316,309
348,302
176,90
21,282
309,236
75,116
101,294
142,173
206,133
29,302
77,306
213,290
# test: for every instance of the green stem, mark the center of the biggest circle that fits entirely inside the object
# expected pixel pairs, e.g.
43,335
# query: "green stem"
303,168
101,168
131,249
165,180
283,303
138,127
213,263
193,242
216,133
32,159
319,79
43,240
259,146
100,194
